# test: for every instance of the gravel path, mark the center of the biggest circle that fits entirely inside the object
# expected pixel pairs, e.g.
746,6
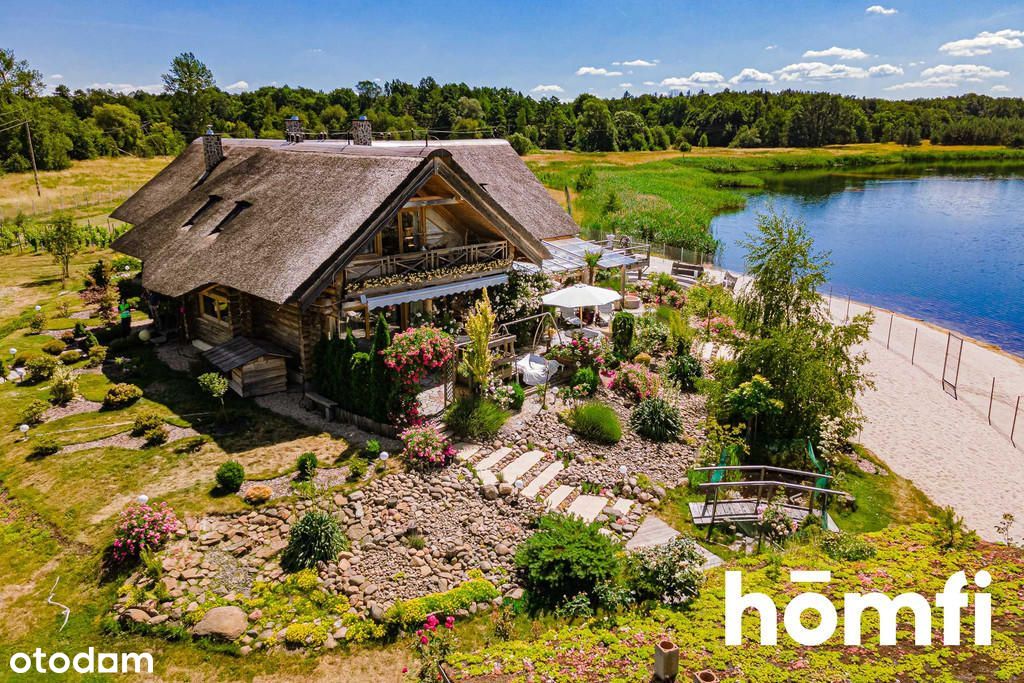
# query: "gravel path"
325,478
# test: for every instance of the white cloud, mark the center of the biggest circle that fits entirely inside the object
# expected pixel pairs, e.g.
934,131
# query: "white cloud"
1000,88
878,9
695,81
637,62
650,83
548,88
56,77
750,75
816,71
842,53
625,85
596,71
237,86
771,47
128,88
984,43
885,70
946,76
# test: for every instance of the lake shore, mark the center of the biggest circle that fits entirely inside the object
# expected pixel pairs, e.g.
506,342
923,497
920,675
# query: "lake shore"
944,445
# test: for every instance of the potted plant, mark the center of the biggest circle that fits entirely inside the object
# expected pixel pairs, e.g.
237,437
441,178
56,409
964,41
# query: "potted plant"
666,660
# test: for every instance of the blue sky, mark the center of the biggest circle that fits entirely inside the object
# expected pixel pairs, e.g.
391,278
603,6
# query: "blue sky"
896,49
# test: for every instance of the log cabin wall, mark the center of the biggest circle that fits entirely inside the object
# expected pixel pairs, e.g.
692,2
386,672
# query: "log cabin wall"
203,327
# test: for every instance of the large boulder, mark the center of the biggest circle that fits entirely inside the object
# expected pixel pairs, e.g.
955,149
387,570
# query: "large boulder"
226,622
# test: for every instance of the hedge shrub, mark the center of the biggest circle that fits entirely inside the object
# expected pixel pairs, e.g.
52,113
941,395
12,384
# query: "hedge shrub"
475,417
33,412
307,465
586,378
230,476
70,356
146,421
316,537
684,370
40,368
406,615
121,395
53,347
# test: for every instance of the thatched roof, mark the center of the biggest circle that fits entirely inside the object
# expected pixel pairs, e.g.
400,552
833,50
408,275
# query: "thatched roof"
304,205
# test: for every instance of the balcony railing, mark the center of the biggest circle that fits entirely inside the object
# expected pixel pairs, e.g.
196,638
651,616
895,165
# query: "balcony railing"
425,261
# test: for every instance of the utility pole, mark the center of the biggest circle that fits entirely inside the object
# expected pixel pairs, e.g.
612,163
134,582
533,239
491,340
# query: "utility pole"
32,155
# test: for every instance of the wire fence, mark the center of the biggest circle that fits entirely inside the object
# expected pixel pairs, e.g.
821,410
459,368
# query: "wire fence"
53,201
989,382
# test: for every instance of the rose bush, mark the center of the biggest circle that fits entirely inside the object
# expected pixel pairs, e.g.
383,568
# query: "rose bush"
426,446
636,382
411,356
142,527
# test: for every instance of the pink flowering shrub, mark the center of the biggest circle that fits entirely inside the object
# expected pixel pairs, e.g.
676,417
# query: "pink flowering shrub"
721,327
636,381
433,646
661,290
426,446
142,527
412,356
583,352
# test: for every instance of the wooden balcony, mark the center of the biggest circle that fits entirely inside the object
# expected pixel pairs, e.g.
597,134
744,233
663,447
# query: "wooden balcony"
425,261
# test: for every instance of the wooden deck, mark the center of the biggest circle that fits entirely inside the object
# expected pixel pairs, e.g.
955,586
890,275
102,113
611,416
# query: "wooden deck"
744,510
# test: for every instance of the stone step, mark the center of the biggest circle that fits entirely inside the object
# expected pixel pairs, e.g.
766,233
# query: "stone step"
588,508
489,461
521,465
464,450
487,478
549,473
553,501
623,506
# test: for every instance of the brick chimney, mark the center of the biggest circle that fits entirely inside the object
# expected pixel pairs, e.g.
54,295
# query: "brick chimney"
362,132
293,129
213,150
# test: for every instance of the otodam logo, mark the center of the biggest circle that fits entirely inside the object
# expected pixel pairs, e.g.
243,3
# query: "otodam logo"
85,662
951,600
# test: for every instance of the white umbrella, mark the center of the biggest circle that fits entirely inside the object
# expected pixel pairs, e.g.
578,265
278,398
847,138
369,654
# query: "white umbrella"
580,296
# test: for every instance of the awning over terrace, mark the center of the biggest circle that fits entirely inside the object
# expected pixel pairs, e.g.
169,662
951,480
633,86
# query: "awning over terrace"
567,255
435,292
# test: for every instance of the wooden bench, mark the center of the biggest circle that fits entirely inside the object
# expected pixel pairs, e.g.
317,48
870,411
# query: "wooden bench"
322,402
686,270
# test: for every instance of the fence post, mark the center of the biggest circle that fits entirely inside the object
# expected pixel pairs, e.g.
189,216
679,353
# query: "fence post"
889,335
847,318
991,395
913,351
1013,426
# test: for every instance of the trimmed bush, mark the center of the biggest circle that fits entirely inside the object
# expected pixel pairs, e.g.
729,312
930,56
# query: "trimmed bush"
636,382
371,449
307,465
146,421
587,379
37,322
564,557
656,419
258,494
53,347
97,354
33,412
143,527
596,422
80,330
22,358
40,368
643,358
44,446
684,370
406,615
121,395
65,385
156,436
230,476
314,538
622,333
477,418
356,469
70,357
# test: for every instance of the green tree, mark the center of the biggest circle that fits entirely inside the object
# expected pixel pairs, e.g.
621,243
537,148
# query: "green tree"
63,239
380,376
215,385
121,125
189,83
631,131
477,358
595,129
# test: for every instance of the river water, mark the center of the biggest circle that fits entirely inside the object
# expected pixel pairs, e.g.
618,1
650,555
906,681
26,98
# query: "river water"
942,244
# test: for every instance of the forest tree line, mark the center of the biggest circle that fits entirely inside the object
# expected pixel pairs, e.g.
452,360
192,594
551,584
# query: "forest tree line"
83,124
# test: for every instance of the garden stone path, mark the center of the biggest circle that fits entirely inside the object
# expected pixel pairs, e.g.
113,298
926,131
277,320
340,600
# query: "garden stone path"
654,532
588,507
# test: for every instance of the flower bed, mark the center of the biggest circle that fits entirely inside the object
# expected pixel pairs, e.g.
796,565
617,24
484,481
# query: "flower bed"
636,382
142,527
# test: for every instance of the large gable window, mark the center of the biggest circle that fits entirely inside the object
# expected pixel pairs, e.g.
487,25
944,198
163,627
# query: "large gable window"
213,305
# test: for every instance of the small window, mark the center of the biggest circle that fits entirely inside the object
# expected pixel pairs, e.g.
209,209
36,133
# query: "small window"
209,204
238,208
214,305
